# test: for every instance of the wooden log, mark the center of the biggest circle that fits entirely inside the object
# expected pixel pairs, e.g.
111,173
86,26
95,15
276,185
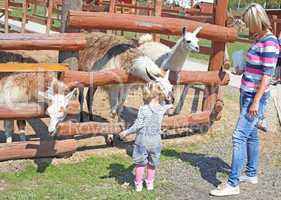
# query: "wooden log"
96,128
217,57
37,149
108,77
32,67
31,110
69,56
34,41
152,24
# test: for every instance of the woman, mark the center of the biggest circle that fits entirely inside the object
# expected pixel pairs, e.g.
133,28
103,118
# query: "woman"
254,94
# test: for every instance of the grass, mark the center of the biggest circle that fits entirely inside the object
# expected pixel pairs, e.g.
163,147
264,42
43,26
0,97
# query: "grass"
95,178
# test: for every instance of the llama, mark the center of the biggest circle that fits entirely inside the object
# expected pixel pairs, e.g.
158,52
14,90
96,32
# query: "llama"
107,51
171,59
27,88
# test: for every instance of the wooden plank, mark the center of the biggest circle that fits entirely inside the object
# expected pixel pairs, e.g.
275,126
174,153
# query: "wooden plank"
96,128
157,13
217,57
49,17
69,56
115,76
6,16
24,15
37,149
32,67
34,41
31,110
151,24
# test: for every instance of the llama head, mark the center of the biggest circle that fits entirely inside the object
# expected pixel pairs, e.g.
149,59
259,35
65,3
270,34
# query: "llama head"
165,85
190,40
58,102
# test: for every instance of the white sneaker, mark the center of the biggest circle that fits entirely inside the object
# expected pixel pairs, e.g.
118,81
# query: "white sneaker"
138,186
248,179
225,190
9,139
149,185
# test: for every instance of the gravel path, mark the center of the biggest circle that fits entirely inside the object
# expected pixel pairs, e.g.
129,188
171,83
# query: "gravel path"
193,174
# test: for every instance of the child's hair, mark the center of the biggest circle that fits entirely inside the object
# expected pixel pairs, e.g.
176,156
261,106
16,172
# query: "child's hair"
256,19
151,90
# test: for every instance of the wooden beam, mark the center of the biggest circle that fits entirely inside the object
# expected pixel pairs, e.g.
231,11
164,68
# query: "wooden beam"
37,149
32,67
163,25
49,17
6,16
69,56
34,41
96,128
108,77
24,15
31,110
217,57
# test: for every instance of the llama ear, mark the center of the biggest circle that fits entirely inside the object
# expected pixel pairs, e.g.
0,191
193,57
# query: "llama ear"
197,30
183,31
71,94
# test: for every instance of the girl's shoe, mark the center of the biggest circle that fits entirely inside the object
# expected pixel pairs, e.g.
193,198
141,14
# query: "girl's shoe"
149,185
138,186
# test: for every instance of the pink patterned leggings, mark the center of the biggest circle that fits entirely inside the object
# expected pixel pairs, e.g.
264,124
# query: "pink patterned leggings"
139,171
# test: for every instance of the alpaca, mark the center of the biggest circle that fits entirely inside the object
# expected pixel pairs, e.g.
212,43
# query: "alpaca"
171,59
107,51
18,88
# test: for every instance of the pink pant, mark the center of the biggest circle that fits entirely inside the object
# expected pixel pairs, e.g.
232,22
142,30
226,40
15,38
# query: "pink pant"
139,171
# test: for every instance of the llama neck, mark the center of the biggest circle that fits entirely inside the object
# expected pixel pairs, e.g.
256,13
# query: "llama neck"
176,58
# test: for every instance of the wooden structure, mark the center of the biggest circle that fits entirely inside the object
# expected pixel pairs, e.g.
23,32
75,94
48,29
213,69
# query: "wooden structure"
213,79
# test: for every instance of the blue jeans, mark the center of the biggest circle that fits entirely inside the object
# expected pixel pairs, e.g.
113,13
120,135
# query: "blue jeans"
245,138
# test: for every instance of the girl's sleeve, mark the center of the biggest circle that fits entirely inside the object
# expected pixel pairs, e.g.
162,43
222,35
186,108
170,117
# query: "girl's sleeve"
269,56
166,107
138,124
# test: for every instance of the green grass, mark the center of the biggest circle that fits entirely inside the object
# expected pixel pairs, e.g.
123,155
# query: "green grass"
95,178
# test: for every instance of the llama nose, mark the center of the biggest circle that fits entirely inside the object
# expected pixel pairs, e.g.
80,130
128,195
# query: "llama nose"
197,49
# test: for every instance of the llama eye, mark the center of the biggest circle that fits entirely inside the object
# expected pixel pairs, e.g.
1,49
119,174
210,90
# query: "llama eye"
188,41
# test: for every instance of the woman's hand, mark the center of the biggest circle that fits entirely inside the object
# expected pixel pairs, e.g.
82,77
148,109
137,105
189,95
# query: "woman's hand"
123,134
253,111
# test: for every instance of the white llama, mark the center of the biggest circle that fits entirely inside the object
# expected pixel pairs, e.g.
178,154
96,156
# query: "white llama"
172,59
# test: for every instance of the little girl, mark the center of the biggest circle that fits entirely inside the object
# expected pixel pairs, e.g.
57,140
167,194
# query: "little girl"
147,147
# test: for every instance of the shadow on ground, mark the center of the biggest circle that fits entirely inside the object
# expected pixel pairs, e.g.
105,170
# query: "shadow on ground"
121,173
208,166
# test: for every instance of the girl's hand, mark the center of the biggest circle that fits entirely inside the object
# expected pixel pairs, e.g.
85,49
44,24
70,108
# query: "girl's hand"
123,134
253,111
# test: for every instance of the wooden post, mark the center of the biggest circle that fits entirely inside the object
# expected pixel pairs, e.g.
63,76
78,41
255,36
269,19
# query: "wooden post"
6,16
69,57
157,12
217,57
49,17
24,15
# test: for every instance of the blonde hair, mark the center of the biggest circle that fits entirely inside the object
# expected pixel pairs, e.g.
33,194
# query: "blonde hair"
152,90
256,19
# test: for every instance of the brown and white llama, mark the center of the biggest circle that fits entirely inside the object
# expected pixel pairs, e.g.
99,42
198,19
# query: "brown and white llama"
16,88
107,51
